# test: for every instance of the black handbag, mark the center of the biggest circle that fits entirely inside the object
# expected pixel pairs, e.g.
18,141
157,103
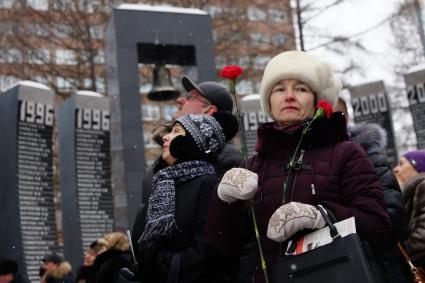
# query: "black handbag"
343,260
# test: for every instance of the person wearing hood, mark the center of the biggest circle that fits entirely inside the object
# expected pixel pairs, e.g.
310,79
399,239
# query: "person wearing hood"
56,270
327,169
373,139
410,173
169,233
108,263
85,273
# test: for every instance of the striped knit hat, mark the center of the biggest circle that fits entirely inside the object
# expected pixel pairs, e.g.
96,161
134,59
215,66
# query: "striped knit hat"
205,131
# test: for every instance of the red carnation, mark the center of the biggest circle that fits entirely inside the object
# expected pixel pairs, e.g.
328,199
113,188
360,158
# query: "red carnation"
231,72
323,108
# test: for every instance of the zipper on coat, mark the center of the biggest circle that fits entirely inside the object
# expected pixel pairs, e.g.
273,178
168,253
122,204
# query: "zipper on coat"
289,194
300,159
294,183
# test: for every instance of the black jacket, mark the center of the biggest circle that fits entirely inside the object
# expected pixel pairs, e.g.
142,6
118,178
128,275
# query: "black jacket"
17,278
373,139
198,263
229,158
107,265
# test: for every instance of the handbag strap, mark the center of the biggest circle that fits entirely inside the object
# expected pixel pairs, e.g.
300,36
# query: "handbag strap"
405,255
333,231
327,215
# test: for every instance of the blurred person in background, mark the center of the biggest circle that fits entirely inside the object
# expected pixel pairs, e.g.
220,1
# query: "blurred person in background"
9,272
56,270
410,173
108,263
85,273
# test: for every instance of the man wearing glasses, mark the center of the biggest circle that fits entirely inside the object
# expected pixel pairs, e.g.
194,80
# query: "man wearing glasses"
209,98
205,98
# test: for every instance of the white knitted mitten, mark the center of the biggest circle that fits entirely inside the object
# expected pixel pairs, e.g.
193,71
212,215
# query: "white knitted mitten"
237,183
291,218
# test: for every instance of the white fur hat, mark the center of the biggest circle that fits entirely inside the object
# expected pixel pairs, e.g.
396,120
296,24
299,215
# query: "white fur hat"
301,66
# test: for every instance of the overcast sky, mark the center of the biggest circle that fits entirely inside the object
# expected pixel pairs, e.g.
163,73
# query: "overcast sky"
355,16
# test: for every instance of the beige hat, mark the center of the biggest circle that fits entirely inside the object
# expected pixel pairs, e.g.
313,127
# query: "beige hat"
301,66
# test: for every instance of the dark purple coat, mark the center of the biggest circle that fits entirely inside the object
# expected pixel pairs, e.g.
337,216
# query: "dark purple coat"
334,172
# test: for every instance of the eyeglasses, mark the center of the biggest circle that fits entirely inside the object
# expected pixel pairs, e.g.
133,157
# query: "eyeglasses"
191,96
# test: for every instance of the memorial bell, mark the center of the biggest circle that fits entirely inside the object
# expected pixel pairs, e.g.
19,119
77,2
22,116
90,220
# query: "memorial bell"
163,88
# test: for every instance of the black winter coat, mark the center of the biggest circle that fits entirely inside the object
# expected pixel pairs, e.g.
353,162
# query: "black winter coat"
198,263
107,266
373,139
17,278
229,158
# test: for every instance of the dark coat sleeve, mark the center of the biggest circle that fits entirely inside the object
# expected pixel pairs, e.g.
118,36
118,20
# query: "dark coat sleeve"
195,254
109,266
229,158
223,225
227,222
392,195
194,258
416,238
361,194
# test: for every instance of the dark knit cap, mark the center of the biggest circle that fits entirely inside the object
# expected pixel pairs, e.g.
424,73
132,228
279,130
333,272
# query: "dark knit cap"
55,258
8,266
417,159
205,131
205,135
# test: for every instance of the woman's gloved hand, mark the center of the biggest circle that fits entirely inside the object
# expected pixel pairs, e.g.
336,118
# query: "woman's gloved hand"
291,218
237,184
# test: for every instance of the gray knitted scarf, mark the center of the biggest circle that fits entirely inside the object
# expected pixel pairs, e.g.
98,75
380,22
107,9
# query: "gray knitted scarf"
160,217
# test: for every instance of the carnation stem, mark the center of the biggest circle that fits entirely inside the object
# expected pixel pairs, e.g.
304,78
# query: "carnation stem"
257,236
244,152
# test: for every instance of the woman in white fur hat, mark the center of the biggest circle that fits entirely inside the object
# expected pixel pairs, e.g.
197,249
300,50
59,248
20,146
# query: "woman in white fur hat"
328,170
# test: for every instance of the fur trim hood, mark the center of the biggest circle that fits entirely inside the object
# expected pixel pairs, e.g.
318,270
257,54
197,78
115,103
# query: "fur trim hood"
371,137
63,269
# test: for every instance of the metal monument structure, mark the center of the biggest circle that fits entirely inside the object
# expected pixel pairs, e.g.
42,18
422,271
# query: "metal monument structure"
371,105
27,209
415,84
147,35
253,117
85,175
